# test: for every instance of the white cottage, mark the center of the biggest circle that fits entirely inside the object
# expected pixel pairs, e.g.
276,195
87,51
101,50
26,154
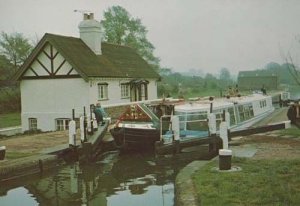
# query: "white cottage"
64,73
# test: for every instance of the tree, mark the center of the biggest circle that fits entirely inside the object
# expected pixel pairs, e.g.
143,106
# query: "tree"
225,78
225,74
15,47
120,28
210,82
165,71
5,68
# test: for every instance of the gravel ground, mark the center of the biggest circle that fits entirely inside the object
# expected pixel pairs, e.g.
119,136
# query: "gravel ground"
36,142
273,146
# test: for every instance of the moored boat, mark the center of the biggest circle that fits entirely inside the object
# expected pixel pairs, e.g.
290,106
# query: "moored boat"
141,126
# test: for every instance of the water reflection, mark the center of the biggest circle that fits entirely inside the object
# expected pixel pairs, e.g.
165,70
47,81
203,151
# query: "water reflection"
130,179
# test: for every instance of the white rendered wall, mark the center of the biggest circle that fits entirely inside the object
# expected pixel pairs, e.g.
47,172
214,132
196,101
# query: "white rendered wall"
114,91
49,99
152,89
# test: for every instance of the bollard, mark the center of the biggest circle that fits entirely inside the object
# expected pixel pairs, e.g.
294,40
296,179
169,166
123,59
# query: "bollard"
225,159
224,134
81,124
72,133
89,126
212,124
176,133
95,125
287,124
176,127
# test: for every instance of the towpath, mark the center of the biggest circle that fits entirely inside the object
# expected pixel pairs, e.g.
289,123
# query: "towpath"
278,115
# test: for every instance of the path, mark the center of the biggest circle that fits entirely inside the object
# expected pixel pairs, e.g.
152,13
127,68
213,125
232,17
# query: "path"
278,115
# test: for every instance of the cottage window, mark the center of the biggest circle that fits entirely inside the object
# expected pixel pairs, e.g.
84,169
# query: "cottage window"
102,91
62,124
32,123
143,90
124,90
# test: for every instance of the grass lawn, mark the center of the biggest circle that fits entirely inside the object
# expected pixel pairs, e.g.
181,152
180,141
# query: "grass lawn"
295,132
10,120
261,182
16,155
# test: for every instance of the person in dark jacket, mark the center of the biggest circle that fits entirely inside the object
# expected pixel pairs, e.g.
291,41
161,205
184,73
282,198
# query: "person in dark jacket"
291,113
98,114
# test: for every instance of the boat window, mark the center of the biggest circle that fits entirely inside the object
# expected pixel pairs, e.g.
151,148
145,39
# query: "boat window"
219,117
197,121
193,120
245,112
182,119
263,103
232,116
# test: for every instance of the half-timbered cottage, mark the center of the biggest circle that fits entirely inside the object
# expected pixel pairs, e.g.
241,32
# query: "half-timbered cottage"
64,73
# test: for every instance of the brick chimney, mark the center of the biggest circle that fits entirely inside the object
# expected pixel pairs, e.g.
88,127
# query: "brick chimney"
90,33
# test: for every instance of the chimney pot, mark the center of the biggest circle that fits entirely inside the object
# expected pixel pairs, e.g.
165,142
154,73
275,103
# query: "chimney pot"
91,16
90,32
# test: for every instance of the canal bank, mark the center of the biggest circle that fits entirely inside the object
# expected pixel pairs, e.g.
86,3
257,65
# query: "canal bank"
45,151
269,144
186,193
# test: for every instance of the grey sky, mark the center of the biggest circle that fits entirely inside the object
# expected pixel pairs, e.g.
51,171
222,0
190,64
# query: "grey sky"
199,34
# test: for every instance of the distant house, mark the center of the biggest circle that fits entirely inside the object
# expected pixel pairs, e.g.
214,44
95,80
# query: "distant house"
255,80
64,73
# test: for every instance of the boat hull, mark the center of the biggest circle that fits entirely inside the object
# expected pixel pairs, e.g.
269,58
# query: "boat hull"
135,139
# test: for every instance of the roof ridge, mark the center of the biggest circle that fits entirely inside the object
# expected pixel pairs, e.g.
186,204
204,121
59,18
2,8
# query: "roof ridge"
59,35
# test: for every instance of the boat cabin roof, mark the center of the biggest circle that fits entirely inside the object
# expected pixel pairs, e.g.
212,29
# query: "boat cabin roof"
218,103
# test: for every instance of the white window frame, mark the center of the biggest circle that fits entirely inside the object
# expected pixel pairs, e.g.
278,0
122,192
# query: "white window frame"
125,92
32,123
143,92
102,91
62,124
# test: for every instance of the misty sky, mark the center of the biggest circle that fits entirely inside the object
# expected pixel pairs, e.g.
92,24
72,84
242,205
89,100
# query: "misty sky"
199,34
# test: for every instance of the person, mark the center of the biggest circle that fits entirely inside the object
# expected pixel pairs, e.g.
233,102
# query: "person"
230,92
291,113
98,113
159,111
236,91
263,90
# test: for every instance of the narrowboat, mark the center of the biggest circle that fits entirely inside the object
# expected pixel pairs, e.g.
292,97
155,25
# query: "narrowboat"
142,125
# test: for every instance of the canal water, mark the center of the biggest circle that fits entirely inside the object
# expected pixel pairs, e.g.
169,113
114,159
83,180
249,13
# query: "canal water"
114,179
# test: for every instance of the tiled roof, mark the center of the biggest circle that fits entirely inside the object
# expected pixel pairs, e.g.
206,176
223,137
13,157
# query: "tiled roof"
115,61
